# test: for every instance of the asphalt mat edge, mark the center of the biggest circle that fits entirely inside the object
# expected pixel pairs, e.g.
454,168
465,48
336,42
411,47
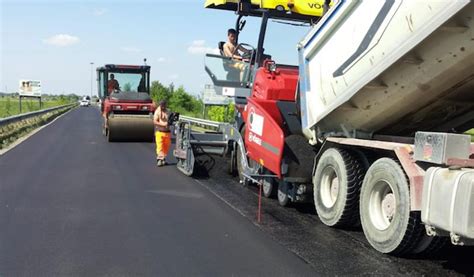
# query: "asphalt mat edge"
299,230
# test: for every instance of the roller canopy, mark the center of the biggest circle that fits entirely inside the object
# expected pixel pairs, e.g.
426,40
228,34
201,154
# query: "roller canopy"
124,68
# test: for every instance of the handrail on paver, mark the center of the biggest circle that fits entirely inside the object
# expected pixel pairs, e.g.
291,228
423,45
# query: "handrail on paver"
200,121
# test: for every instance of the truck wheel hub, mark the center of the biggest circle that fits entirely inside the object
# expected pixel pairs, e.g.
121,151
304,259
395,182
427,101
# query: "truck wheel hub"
329,186
382,205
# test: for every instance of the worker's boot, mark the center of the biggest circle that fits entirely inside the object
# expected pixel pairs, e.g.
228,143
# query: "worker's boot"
160,162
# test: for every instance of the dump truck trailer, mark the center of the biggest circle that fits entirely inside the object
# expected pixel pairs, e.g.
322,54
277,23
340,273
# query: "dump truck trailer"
369,125
390,85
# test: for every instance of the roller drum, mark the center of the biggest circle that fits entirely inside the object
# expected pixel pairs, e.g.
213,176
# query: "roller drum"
130,128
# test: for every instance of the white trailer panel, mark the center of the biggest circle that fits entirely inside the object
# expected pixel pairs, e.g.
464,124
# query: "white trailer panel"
393,66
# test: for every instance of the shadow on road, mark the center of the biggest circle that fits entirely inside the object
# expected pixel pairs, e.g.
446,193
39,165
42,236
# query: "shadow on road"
328,250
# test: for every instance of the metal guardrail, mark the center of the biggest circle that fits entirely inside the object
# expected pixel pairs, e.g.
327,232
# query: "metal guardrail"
201,122
15,118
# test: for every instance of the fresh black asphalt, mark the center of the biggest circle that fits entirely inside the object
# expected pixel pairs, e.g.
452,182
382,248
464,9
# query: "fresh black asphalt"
73,204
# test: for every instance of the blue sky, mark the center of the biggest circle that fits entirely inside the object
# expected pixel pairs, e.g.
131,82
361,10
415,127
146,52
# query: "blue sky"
55,41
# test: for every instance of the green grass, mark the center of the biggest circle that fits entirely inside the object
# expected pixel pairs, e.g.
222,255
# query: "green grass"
471,132
10,106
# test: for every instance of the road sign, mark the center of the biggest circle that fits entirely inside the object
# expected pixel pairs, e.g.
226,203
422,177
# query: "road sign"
211,97
30,88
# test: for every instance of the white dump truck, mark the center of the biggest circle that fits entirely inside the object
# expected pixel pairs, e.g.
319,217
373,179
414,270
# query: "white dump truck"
386,90
370,124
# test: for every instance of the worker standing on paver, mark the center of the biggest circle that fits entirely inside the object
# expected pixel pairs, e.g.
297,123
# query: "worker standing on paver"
162,133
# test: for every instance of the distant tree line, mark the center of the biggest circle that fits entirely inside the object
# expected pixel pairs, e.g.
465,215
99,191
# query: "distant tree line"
179,100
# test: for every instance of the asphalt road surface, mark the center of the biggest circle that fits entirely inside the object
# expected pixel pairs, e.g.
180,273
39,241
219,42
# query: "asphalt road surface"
73,204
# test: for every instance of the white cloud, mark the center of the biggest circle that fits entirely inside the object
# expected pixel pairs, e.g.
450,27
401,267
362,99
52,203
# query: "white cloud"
199,47
131,49
61,40
99,12
161,59
199,42
173,76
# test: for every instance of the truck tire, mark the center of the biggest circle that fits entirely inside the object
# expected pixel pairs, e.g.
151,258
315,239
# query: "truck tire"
436,245
336,184
232,167
269,187
388,224
428,246
282,195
